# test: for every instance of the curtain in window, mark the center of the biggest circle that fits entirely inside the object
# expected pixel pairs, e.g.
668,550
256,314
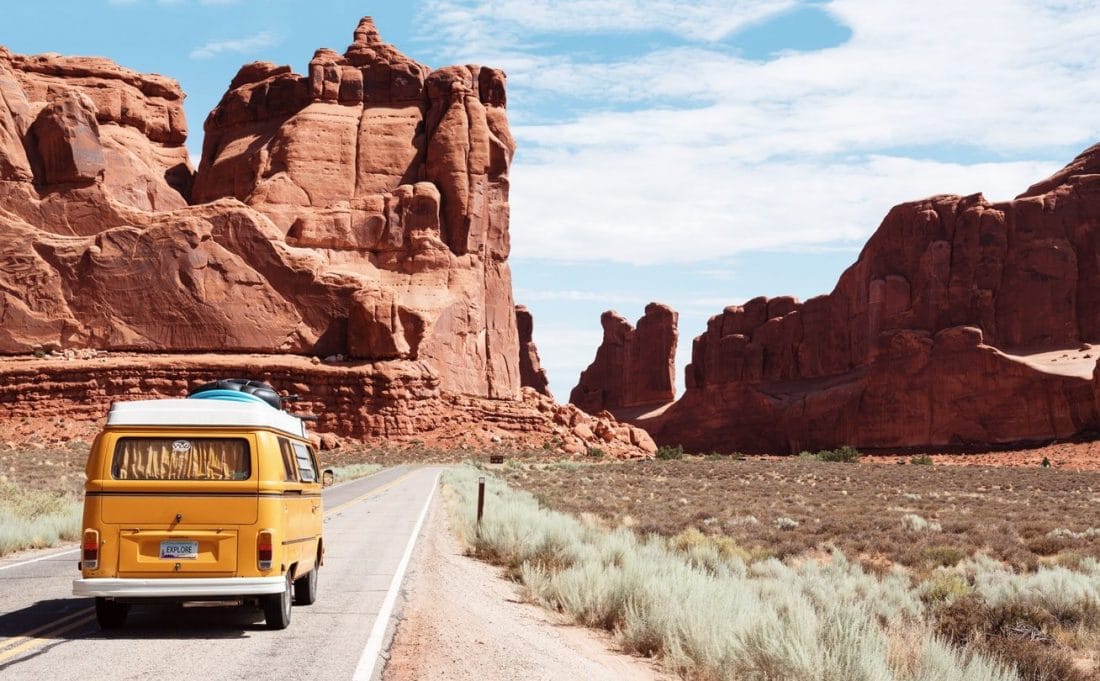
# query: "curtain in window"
181,459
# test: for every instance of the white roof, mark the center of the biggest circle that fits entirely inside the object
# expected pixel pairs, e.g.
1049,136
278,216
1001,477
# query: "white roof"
203,413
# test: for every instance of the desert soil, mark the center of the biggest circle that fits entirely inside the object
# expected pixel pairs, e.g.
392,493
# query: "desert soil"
461,620
56,432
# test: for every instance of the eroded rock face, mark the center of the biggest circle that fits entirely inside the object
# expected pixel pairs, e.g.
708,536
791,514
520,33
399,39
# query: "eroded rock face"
395,177
80,120
391,400
924,339
633,366
359,210
531,373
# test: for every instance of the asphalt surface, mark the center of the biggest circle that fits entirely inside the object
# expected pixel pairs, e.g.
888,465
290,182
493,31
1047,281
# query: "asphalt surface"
46,633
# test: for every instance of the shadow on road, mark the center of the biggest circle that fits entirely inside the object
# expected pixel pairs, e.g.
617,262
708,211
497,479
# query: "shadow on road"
192,621
48,624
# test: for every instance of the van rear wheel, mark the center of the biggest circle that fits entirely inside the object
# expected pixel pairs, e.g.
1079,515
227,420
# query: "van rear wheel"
109,614
305,587
277,606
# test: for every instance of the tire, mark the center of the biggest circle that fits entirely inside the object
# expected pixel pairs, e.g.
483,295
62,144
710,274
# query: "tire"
277,606
109,614
305,587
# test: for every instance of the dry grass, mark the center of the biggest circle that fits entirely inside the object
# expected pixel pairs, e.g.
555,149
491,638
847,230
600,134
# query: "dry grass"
34,519
354,471
704,612
41,496
978,544
922,517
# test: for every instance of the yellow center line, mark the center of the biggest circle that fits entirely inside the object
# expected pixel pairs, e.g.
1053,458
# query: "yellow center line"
50,635
374,492
61,620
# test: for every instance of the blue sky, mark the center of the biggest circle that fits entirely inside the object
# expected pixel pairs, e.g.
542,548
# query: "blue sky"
696,153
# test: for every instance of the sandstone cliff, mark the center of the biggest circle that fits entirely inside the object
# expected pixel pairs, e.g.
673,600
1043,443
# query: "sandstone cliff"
939,334
360,210
358,213
633,366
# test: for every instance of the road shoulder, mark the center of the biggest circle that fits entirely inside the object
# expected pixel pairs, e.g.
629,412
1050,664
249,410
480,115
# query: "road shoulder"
461,620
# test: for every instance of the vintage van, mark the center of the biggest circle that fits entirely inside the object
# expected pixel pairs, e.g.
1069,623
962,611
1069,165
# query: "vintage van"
211,498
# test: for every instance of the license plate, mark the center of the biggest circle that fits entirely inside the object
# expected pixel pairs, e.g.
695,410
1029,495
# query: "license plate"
187,550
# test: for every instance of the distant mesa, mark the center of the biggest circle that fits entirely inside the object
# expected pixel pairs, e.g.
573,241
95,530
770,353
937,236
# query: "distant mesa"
963,323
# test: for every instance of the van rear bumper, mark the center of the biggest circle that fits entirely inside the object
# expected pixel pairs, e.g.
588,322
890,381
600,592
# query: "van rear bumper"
197,587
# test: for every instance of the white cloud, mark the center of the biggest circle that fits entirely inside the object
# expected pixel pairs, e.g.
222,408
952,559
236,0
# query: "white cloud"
648,206
523,294
477,25
246,45
693,153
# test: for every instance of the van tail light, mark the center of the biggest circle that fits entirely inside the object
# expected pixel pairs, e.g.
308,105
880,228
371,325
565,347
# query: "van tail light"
264,549
90,550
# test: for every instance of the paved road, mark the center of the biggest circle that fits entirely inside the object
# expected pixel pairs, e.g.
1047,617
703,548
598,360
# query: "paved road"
46,633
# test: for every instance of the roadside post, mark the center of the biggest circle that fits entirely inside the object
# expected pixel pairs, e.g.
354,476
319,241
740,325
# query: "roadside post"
480,502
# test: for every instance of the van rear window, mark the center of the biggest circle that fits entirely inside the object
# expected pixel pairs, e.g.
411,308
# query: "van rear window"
164,458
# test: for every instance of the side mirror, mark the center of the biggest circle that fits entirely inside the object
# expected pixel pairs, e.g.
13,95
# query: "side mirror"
328,477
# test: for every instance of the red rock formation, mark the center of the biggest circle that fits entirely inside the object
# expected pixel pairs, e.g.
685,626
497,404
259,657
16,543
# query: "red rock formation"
399,399
633,367
374,221
396,177
66,120
531,373
360,210
911,347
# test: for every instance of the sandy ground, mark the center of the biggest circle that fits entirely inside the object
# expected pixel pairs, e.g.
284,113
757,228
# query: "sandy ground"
1073,456
1079,361
53,432
462,621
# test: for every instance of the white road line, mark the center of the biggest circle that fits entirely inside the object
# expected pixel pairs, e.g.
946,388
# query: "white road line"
35,560
369,659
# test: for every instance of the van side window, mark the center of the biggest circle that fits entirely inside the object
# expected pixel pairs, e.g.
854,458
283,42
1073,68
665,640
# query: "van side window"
306,468
290,464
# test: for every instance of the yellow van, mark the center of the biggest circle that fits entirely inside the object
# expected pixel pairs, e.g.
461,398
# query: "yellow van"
211,498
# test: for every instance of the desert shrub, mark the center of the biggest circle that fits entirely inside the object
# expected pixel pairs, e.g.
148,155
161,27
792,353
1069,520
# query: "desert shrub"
705,614
594,453
785,523
843,455
1035,660
942,556
667,453
914,523
920,460
945,588
1071,596
353,471
568,466
695,543
1048,544
1017,634
32,519
1066,533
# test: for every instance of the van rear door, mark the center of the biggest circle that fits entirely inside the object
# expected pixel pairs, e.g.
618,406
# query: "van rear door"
178,501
